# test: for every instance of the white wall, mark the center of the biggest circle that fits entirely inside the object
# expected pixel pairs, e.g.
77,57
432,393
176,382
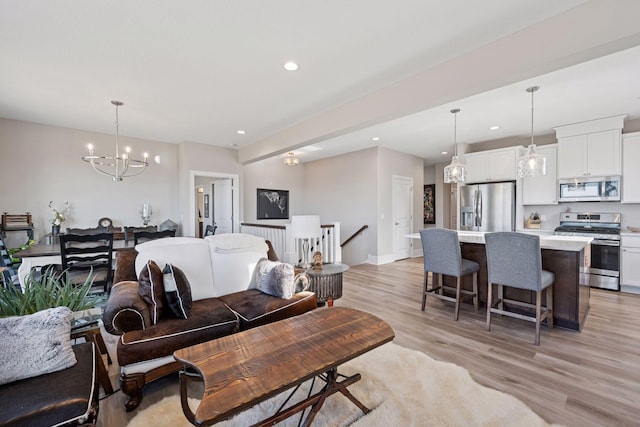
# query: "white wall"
41,163
344,189
273,174
395,163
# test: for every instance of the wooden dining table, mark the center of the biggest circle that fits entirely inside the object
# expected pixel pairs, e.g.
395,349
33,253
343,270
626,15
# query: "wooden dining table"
44,254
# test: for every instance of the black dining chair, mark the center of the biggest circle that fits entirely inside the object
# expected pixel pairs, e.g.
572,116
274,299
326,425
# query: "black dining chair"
144,236
129,231
88,255
210,230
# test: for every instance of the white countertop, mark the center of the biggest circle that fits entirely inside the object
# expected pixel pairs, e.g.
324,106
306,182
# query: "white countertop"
558,243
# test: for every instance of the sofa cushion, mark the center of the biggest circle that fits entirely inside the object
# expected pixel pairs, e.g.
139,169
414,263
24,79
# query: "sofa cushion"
255,308
35,344
273,278
209,319
234,257
151,289
189,253
177,291
55,398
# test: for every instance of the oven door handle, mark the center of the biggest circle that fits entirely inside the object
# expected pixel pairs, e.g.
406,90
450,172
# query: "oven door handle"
605,242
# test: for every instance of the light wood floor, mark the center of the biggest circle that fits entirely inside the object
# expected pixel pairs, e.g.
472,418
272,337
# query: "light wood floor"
591,378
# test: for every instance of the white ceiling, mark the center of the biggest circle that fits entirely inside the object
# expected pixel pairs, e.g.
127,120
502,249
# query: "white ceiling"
200,70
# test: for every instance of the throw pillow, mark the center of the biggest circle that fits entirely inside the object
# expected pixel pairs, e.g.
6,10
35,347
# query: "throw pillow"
177,291
273,278
35,344
151,289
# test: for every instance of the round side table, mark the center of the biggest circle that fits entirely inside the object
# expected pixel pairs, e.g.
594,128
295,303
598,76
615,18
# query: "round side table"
326,282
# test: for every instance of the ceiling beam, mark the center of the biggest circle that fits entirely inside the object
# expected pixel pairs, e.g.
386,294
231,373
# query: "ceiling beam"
588,31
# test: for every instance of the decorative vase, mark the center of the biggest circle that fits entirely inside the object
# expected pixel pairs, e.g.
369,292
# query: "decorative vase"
55,230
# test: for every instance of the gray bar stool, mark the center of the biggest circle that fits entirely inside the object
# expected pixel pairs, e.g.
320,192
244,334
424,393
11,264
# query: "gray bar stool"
442,256
515,260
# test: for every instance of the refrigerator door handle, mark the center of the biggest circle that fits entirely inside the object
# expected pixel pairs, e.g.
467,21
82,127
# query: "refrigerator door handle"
475,208
479,214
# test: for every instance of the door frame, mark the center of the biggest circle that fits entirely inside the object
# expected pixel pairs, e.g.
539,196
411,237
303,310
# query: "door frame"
235,186
410,181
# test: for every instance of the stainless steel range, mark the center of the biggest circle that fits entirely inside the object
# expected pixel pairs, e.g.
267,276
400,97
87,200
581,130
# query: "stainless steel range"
604,228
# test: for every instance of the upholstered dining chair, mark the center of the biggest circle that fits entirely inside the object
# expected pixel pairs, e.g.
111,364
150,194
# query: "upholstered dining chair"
442,256
144,236
85,254
515,260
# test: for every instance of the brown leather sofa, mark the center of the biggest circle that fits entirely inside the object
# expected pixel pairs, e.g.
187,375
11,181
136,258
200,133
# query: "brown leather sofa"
220,307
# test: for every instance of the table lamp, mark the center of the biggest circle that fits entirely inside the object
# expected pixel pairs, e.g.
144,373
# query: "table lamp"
305,227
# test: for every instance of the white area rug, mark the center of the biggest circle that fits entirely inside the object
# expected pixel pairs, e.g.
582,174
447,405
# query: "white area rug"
402,387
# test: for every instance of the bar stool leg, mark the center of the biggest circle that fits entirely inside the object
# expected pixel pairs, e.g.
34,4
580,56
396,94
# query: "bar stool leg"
550,306
458,284
489,305
538,311
475,291
424,292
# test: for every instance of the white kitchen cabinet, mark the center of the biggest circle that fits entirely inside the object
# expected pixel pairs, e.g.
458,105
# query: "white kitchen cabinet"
630,168
591,148
593,154
630,264
543,190
492,165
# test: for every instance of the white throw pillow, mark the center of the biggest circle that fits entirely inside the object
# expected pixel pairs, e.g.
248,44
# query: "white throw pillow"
36,344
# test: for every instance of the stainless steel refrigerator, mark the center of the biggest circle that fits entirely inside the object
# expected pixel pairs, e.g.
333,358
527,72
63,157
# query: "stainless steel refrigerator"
488,207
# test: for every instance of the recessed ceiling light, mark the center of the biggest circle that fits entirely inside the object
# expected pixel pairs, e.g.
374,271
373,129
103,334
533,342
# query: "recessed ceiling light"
375,138
290,66
240,132
444,152
494,128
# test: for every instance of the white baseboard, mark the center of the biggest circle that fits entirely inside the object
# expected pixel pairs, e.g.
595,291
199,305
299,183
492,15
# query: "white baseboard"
379,260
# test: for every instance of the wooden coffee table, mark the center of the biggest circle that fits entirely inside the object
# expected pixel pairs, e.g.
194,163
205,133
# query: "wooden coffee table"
246,368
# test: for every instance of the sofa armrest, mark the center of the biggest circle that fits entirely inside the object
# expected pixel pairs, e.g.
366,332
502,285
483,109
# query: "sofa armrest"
125,310
271,253
125,268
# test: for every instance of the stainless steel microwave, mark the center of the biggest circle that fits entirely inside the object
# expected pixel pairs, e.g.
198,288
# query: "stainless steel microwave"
592,189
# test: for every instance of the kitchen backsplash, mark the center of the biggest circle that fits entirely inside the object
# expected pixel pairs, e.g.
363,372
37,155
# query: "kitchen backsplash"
550,214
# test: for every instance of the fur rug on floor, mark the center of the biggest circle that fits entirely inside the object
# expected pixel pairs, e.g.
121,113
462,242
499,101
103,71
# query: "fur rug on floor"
401,386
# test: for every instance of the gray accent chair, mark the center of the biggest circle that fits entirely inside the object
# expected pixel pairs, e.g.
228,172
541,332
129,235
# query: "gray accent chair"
442,256
515,260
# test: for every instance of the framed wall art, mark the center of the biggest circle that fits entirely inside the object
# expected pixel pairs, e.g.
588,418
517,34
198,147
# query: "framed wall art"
273,204
206,206
430,204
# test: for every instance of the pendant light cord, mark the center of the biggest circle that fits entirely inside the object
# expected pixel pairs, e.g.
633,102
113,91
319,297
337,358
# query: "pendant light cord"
455,112
532,90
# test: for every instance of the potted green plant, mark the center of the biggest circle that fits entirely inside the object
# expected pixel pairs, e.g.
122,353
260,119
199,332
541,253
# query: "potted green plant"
47,290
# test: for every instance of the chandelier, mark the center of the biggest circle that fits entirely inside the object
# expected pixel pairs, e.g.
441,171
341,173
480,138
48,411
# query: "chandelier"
290,160
532,163
456,171
118,166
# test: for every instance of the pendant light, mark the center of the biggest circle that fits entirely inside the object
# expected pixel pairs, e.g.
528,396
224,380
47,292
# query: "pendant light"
456,171
291,160
532,163
121,165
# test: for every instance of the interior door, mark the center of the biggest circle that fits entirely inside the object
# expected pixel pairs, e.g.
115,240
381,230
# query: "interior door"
402,208
223,205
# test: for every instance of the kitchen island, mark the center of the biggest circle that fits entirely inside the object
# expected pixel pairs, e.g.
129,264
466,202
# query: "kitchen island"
567,257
